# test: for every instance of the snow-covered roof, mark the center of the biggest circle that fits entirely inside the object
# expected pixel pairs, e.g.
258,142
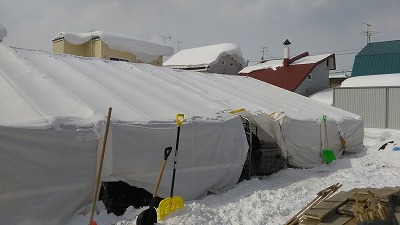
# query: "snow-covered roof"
324,96
3,32
144,50
273,64
383,80
205,56
81,88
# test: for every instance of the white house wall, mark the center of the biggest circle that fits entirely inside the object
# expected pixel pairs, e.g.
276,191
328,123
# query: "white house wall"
319,81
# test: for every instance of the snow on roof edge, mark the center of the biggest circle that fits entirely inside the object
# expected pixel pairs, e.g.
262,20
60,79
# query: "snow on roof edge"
118,42
381,80
274,64
205,56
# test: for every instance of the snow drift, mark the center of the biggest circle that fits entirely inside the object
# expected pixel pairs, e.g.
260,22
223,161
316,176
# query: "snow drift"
52,115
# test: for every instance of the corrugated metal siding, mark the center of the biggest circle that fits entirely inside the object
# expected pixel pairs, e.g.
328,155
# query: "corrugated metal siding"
384,47
377,58
394,108
379,106
366,102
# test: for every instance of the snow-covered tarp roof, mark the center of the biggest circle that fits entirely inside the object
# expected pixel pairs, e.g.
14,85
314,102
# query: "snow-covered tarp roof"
142,48
205,56
382,80
135,91
3,32
273,64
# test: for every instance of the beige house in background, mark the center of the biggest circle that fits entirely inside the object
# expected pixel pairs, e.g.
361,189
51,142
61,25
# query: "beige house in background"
105,45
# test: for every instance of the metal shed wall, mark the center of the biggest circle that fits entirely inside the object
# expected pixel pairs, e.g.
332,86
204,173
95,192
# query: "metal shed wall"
379,106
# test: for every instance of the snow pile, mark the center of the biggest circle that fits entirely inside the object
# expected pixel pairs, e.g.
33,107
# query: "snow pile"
324,96
145,51
382,80
205,56
275,199
3,32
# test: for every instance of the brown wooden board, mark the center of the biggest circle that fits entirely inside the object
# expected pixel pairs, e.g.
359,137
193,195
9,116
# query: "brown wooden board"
323,210
347,209
341,196
308,222
337,220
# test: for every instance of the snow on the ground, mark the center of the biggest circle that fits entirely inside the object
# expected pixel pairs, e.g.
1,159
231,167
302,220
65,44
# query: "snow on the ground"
275,199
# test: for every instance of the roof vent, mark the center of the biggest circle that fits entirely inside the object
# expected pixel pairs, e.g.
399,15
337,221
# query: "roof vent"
287,42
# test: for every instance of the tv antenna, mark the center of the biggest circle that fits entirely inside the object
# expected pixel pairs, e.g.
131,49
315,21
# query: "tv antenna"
179,42
264,51
166,37
368,33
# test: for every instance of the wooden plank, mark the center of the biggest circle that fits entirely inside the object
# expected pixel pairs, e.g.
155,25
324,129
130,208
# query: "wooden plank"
387,191
337,220
341,196
308,222
323,210
397,215
347,209
329,205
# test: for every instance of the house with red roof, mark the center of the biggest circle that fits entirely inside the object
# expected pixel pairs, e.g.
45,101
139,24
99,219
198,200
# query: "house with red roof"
304,74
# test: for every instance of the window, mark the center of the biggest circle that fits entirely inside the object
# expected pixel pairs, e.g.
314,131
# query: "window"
309,77
223,62
232,63
118,59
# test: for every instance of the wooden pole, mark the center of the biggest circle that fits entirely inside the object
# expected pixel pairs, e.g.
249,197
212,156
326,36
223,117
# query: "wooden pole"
96,192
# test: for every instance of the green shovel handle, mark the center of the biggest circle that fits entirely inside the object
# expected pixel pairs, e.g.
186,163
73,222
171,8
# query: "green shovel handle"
179,119
324,118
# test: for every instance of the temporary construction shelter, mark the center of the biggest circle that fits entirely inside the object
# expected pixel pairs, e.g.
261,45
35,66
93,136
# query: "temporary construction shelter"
52,116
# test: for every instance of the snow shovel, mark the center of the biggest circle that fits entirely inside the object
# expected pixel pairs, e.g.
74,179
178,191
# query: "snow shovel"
172,203
327,155
149,216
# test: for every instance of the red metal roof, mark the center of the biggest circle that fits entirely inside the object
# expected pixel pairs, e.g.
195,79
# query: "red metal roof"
288,78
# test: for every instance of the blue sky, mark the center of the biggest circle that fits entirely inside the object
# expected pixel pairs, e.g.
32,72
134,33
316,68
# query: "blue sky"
316,26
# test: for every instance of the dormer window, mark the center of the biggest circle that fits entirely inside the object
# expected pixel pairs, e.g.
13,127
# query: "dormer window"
309,77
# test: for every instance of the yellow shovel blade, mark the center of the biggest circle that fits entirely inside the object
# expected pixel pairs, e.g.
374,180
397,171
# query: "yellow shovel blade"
169,205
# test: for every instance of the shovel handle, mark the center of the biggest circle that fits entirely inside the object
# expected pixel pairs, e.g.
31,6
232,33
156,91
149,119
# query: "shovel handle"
179,119
324,118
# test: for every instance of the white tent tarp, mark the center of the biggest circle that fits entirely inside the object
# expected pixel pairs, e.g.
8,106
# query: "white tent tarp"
52,115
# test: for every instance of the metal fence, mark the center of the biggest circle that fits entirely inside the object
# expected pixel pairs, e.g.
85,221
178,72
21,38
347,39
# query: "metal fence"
379,106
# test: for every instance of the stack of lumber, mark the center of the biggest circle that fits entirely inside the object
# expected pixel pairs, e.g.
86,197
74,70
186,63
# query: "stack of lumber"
356,207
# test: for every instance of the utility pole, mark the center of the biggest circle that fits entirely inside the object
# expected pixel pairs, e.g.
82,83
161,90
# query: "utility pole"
178,44
166,37
368,33
264,51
